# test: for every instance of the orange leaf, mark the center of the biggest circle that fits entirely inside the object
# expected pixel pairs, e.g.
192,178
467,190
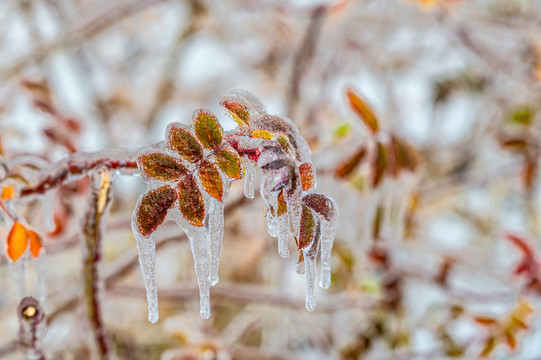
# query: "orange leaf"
7,192
282,205
17,241
211,180
483,320
347,167
35,242
308,176
363,110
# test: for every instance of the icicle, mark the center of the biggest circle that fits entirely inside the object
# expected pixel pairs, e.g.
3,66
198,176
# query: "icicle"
293,200
249,178
328,229
47,211
199,243
310,258
40,266
272,224
147,260
300,268
216,234
18,269
283,231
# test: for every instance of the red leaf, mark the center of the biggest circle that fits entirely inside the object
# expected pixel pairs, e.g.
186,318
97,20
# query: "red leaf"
191,202
153,209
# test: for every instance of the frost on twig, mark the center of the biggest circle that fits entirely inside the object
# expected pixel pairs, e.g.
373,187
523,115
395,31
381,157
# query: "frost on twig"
188,178
31,327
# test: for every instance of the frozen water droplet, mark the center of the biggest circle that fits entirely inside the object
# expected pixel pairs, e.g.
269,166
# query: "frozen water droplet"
283,231
300,268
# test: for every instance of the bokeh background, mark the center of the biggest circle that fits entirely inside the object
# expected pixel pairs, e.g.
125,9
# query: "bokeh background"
439,261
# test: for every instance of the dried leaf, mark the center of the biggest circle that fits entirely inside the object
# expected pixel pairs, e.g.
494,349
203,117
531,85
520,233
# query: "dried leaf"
490,344
238,111
153,209
35,243
161,166
282,205
321,204
17,241
7,192
347,167
510,338
379,165
191,202
308,227
230,163
208,130
515,144
211,180
484,320
405,155
363,110
378,219
185,144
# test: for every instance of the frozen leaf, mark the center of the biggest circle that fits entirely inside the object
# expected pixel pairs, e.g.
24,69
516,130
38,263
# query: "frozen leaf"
308,176
35,243
191,201
262,134
308,228
181,141
161,166
363,110
379,165
153,208
17,241
211,180
207,129
7,192
345,168
230,163
285,144
238,111
322,204
282,205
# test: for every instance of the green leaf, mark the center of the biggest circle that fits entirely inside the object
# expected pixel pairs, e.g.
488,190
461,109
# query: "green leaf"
208,130
211,180
161,166
181,141
153,208
308,227
230,163
190,201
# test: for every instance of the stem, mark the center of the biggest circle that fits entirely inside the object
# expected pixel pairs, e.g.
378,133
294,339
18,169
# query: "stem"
100,199
81,164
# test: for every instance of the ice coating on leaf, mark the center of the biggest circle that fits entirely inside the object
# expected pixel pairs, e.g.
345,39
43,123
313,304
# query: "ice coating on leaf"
152,208
293,201
180,139
249,178
242,106
324,207
191,203
161,166
229,161
308,176
208,130
211,180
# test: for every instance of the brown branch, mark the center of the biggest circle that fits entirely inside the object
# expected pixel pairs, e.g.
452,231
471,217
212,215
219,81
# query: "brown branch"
100,201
